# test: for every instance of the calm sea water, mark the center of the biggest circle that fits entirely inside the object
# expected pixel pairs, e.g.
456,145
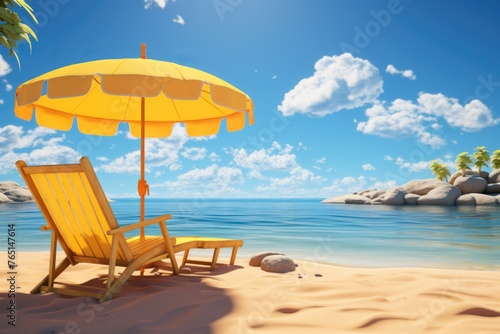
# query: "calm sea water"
367,235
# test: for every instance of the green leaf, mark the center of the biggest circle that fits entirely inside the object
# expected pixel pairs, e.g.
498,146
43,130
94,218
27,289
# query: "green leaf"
27,7
28,30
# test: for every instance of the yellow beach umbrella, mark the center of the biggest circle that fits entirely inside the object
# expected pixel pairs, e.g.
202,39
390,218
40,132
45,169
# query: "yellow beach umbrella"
150,95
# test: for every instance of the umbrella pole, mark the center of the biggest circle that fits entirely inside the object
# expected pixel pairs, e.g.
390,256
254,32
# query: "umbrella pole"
143,186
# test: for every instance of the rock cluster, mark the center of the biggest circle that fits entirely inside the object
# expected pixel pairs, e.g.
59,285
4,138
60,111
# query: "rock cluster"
12,192
273,262
471,189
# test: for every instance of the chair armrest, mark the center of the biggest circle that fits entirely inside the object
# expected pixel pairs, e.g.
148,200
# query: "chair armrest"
144,223
45,227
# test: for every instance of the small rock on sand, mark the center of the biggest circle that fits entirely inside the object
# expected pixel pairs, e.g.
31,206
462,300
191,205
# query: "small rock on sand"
277,264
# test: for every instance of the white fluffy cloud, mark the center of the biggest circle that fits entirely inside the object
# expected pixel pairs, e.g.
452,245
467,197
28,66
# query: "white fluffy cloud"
159,3
420,166
471,117
4,67
211,176
298,176
351,184
44,148
367,167
53,153
388,158
14,137
273,158
399,120
339,82
8,86
214,157
194,153
161,153
212,181
405,73
277,169
321,161
403,118
178,19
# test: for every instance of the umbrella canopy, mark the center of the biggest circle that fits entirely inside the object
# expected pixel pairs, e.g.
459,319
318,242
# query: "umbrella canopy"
150,95
101,94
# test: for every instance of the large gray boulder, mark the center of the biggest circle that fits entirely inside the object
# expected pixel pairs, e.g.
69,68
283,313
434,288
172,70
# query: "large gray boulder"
256,259
19,195
482,199
394,196
470,184
348,199
277,264
4,199
484,174
467,199
411,199
494,176
445,194
421,187
492,188
458,173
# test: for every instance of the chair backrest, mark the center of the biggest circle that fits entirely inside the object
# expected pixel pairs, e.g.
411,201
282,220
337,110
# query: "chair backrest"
76,208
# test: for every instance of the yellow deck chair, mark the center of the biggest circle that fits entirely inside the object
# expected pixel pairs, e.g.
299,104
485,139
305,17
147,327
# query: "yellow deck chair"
80,217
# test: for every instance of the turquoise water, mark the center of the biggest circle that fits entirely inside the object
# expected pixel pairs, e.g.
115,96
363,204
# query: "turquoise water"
367,235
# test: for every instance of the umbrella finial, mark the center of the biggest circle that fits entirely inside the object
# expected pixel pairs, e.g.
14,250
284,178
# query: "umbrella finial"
143,50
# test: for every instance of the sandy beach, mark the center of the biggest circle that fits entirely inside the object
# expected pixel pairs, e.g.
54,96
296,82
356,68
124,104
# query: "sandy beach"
315,298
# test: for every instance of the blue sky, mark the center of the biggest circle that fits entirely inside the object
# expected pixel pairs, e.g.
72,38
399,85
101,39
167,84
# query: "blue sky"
349,95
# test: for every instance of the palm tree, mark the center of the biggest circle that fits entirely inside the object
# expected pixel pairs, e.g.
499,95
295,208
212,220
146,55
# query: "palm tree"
463,162
12,30
495,160
440,170
482,156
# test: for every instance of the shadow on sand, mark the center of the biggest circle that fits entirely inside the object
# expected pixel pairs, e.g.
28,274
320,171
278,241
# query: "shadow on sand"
154,303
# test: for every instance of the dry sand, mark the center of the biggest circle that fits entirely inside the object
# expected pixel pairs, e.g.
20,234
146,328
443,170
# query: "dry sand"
316,298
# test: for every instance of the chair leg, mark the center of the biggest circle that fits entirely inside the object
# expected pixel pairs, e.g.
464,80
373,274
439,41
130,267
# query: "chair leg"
45,282
133,266
169,249
233,255
214,258
112,262
52,263
185,258
117,284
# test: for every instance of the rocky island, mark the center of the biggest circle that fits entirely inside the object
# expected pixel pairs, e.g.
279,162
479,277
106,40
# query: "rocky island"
472,189
465,187
12,192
